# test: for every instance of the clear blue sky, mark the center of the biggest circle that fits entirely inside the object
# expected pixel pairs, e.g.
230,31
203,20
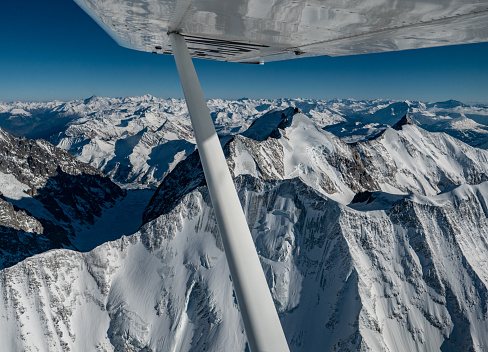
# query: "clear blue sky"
51,49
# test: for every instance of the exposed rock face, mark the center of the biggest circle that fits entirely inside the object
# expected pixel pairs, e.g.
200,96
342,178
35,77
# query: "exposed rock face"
33,162
48,195
78,198
19,235
405,120
12,217
186,176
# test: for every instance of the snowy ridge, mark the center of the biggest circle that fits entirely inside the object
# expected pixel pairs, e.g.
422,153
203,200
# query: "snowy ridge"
417,277
412,160
411,277
139,140
284,145
288,144
297,147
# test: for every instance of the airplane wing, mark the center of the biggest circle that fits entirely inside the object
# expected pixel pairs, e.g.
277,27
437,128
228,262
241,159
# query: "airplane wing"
255,31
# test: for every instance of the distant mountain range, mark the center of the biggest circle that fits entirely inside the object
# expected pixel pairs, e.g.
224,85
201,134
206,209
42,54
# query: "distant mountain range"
369,217
139,140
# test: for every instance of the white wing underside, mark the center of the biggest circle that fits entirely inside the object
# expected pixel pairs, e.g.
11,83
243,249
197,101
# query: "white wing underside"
269,30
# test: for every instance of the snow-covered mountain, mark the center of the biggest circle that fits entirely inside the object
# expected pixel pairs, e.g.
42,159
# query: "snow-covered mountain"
369,218
139,140
46,197
287,144
408,273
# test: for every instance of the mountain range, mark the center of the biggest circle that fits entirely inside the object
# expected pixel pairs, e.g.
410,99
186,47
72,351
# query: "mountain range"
369,218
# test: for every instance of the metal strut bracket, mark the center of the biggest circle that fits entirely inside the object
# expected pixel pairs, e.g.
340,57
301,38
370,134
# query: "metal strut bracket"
261,322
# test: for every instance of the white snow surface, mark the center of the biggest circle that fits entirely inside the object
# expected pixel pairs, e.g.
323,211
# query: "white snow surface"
11,188
404,270
413,277
422,162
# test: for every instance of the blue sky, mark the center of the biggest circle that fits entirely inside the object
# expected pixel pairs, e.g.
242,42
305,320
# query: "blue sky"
52,50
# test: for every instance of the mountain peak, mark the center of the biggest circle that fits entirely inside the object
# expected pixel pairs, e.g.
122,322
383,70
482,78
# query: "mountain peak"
268,124
405,120
91,99
449,104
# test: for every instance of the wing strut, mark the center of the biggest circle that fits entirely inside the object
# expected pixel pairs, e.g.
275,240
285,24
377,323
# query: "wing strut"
261,322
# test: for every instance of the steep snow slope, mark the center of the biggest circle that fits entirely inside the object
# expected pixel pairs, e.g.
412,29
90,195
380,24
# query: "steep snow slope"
411,160
122,218
410,277
422,271
296,147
